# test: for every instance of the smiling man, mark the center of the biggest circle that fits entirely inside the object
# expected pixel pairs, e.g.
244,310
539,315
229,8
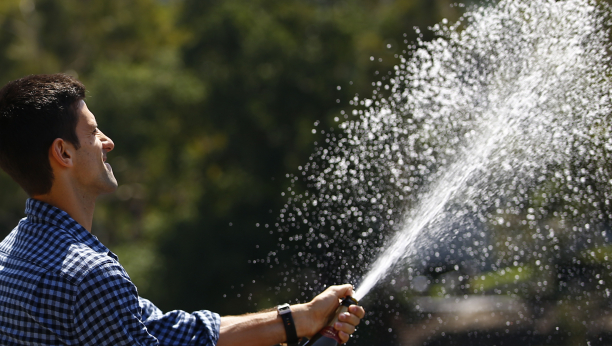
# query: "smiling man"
58,284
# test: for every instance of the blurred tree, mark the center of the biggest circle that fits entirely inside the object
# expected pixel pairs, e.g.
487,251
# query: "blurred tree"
272,69
210,105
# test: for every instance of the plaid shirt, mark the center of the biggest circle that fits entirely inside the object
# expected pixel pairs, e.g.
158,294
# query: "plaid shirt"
60,286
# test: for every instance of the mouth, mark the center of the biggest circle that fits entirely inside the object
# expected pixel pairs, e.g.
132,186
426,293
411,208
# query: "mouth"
106,164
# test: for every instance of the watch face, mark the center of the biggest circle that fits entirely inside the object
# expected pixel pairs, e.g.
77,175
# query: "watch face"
283,309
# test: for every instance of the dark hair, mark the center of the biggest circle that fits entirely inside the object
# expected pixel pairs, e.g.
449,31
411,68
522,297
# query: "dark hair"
34,111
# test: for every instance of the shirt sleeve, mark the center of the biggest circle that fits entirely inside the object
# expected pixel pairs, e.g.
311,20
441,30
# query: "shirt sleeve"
108,311
179,327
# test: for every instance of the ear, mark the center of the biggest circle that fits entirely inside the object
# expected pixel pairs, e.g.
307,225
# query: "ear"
61,153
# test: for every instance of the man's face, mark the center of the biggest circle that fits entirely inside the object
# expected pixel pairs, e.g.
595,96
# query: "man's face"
90,167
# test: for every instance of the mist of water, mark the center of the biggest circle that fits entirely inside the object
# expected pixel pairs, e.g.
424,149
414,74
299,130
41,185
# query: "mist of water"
489,145
515,88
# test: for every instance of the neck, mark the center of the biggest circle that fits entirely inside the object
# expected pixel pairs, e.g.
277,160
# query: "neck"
80,206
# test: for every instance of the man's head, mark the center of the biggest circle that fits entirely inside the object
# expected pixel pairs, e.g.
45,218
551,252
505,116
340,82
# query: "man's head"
35,112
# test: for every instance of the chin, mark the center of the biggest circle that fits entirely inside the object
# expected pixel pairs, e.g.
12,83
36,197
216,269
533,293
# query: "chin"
110,185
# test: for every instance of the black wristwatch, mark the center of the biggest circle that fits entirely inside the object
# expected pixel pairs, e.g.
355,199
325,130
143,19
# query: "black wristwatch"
284,311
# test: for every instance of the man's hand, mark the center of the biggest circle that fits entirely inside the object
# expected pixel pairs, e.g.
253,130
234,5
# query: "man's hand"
266,328
313,316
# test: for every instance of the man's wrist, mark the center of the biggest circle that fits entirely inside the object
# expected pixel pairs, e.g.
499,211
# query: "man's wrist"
303,320
285,313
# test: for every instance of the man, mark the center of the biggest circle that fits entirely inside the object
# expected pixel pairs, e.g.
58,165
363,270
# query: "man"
58,283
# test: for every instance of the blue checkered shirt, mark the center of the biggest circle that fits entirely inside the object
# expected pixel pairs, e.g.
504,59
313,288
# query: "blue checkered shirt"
60,286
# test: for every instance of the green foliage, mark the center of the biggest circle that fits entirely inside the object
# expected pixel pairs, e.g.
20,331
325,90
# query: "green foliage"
210,104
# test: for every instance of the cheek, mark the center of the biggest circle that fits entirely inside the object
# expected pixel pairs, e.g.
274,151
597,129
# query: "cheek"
88,156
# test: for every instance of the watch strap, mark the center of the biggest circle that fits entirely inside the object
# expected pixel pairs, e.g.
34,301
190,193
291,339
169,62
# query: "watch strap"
284,311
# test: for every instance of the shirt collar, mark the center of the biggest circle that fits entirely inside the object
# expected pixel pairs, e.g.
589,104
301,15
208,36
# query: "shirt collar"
41,212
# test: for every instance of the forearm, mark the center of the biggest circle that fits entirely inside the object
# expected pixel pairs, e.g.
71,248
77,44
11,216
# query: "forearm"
266,328
263,328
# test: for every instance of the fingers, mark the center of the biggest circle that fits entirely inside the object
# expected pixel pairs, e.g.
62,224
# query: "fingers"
348,321
343,336
342,291
344,330
349,318
325,303
357,311
354,316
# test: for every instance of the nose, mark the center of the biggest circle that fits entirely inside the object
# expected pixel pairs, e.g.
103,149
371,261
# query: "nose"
107,143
